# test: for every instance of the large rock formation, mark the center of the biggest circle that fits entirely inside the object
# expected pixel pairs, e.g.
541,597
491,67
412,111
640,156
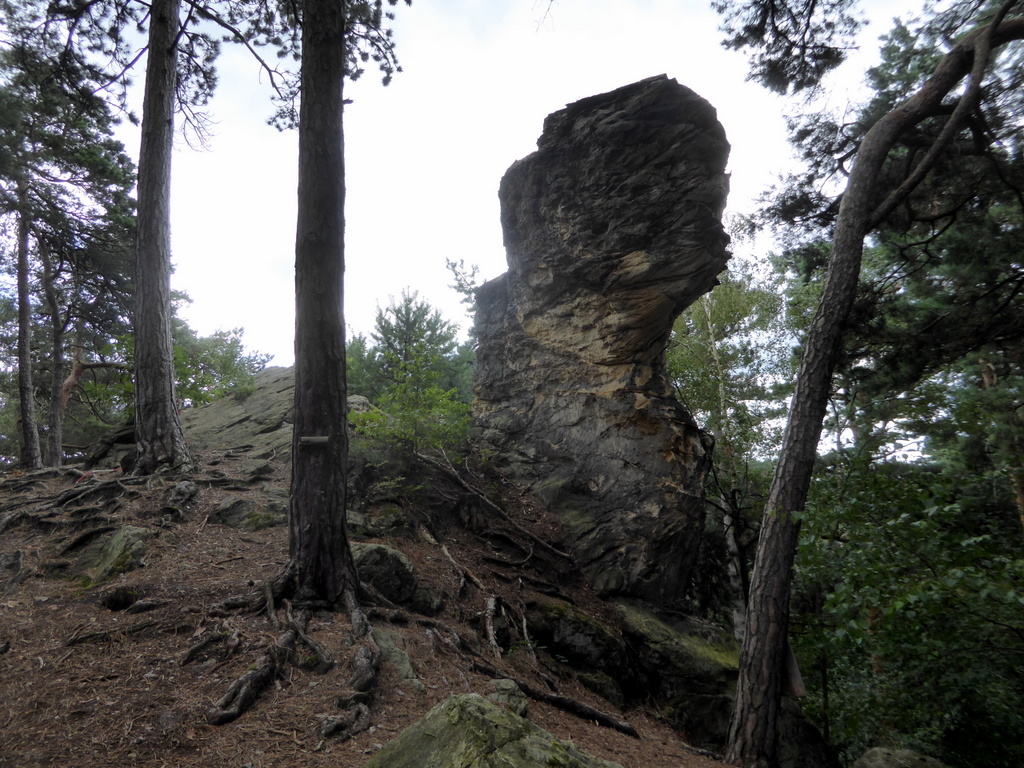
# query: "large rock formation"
611,228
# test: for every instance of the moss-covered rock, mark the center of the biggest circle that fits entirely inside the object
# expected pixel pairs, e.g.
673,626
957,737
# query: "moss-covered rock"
692,676
680,656
384,519
507,694
390,644
579,638
387,570
246,516
121,551
603,685
469,730
880,757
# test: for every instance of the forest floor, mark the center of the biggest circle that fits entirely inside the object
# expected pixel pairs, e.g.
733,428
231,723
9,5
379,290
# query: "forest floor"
95,675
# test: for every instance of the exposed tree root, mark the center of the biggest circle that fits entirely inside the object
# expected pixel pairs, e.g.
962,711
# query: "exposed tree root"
225,633
355,717
320,660
10,519
15,563
450,637
76,507
456,644
564,703
464,573
244,691
489,612
450,471
79,636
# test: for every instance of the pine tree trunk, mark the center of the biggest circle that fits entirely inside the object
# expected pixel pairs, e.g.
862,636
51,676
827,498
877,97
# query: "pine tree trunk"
159,438
320,557
55,422
753,732
31,457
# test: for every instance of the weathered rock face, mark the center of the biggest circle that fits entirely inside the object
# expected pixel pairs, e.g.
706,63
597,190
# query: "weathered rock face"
611,228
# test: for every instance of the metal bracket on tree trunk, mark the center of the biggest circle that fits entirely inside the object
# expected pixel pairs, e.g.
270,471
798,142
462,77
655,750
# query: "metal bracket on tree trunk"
314,440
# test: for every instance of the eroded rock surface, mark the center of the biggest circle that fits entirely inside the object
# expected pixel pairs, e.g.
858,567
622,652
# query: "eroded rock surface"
611,228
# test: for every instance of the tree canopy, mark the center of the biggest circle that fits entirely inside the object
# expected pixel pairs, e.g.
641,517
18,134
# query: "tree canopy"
942,115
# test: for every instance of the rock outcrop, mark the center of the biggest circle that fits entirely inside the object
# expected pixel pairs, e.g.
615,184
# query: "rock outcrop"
611,228
470,730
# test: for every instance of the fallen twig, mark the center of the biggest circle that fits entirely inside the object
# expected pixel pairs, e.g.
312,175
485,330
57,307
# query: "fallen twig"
449,470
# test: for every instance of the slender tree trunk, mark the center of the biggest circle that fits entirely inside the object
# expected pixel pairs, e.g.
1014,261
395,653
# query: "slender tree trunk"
55,422
753,732
159,438
31,457
320,557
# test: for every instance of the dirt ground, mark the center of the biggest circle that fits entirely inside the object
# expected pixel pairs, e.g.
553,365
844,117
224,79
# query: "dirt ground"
93,675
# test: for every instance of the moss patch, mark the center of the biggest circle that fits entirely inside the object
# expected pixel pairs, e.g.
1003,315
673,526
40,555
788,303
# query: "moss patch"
469,730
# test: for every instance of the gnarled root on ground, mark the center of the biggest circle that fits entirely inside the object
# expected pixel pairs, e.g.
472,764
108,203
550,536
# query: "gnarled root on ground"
244,691
355,717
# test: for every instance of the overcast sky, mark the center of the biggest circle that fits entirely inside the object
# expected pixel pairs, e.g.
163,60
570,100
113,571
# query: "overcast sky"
425,155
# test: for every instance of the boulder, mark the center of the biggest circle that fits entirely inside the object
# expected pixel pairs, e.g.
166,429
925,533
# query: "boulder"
108,556
387,570
507,693
257,421
694,677
391,573
469,730
611,228
690,673
392,648
603,662
247,516
881,757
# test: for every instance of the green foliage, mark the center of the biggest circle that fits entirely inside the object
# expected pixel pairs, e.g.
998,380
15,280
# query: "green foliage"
791,45
418,376
912,611
908,603
65,187
729,361
411,345
465,283
412,420
208,368
728,354
369,40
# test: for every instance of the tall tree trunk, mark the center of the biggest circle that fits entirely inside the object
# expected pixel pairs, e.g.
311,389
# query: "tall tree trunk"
321,560
159,438
753,732
55,422
31,457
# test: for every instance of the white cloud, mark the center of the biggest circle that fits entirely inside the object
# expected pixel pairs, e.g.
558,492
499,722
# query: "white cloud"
425,155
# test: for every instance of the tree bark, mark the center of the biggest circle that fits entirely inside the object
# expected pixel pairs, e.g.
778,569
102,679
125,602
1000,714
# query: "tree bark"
318,544
31,457
55,422
159,438
753,732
